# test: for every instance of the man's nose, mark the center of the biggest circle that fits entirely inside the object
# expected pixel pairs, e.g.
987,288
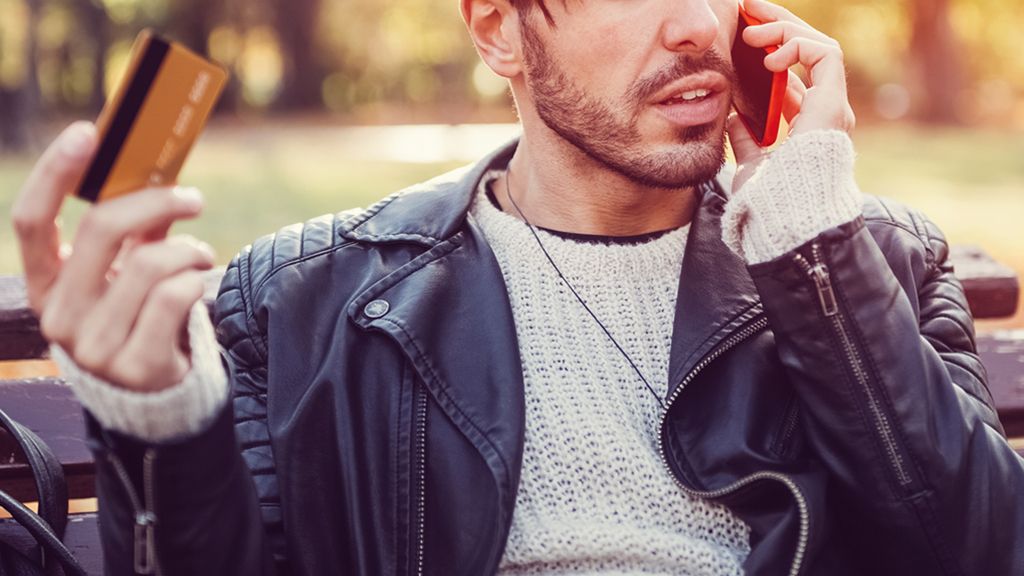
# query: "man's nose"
689,25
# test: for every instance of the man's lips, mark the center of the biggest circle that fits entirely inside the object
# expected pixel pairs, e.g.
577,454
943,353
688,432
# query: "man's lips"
694,113
694,100
712,82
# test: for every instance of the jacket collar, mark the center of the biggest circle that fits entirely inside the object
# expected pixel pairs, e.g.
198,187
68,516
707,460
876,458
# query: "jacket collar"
429,212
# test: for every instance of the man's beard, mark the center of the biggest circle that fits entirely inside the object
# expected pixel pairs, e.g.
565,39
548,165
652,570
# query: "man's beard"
594,128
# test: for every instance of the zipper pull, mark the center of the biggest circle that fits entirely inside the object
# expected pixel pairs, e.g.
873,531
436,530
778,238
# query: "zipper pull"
826,295
822,280
145,558
144,541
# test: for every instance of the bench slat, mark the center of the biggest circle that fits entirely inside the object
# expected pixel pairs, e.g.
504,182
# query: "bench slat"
992,289
48,407
19,331
1002,353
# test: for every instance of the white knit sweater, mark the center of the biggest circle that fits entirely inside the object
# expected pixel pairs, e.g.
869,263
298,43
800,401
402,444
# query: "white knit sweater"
594,496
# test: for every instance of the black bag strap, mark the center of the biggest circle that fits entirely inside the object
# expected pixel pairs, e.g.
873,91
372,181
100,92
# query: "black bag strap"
40,530
46,472
47,527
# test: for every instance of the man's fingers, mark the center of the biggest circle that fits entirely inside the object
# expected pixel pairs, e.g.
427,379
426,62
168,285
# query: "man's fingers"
58,169
106,226
35,209
823,102
743,145
101,232
747,152
105,328
768,12
824,62
780,32
795,92
152,357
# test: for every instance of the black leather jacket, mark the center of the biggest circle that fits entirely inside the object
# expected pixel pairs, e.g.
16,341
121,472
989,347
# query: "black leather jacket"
832,398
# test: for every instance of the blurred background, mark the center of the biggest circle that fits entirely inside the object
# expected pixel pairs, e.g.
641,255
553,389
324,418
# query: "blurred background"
335,103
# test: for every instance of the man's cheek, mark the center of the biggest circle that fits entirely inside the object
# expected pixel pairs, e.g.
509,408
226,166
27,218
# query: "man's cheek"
728,18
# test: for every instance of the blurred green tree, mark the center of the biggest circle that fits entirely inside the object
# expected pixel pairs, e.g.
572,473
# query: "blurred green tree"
936,61
296,24
19,77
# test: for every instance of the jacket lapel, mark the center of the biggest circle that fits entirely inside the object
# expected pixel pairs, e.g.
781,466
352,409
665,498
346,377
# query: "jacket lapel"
449,311
716,293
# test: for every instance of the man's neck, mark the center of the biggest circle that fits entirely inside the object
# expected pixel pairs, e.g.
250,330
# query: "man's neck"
559,187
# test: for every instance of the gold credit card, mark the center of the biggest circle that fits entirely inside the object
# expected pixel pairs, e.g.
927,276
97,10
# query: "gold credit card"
148,126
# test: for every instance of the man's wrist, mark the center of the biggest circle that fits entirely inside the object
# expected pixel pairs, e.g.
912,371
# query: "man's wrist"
801,189
181,410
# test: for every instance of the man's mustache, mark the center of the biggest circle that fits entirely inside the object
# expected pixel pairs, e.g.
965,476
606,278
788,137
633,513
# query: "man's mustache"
684,65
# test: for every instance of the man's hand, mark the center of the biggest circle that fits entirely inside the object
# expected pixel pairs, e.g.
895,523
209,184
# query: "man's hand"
118,299
823,105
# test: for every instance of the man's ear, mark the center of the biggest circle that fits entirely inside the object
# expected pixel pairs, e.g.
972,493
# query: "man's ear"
494,27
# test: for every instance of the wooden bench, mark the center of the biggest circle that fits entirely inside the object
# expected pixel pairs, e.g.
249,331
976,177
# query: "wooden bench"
48,407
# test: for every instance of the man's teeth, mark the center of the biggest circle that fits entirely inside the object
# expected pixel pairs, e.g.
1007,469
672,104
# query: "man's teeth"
692,94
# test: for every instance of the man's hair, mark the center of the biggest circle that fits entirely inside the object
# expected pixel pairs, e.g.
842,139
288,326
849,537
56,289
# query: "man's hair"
526,6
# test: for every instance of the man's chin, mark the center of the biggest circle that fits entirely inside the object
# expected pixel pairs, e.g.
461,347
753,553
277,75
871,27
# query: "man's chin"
690,159
676,167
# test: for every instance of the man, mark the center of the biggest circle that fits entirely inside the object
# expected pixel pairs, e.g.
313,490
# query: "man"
589,353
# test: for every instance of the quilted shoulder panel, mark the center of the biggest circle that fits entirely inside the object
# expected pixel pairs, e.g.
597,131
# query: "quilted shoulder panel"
246,349
886,211
253,266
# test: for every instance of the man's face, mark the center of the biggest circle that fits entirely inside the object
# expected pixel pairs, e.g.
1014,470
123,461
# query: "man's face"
641,86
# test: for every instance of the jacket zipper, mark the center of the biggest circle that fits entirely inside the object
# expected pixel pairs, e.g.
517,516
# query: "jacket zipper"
818,272
144,540
788,426
421,474
801,500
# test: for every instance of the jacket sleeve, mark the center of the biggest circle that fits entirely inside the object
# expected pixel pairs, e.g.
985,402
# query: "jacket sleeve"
879,344
189,506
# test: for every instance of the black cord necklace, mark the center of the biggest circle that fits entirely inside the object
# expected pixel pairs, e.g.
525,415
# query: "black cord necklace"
508,192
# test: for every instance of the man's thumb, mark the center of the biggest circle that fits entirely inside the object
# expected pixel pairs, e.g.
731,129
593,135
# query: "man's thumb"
748,154
743,145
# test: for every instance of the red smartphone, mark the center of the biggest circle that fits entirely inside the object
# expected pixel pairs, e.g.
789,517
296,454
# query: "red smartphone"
761,91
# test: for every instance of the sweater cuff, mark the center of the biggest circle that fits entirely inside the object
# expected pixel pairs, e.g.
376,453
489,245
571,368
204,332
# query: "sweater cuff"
801,189
177,412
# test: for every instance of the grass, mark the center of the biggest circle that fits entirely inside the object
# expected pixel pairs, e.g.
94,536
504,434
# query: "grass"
258,179
252,187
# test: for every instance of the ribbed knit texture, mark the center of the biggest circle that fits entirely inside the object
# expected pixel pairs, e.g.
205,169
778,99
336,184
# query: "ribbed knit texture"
594,496
802,188
178,411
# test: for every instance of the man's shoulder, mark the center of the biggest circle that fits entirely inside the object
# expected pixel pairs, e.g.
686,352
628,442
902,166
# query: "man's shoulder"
411,216
423,214
896,225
